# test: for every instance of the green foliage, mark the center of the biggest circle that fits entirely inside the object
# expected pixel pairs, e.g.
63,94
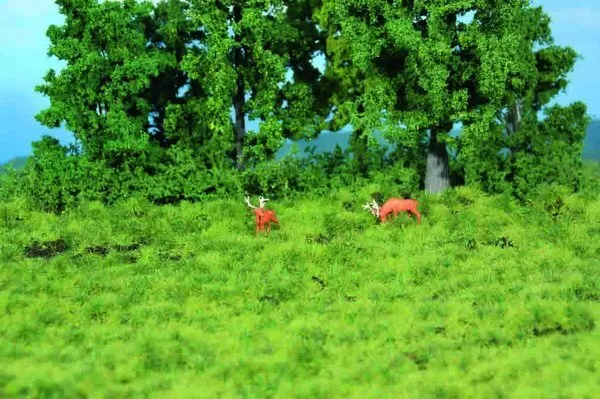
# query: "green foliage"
550,153
49,178
148,88
101,94
124,93
11,184
508,148
248,48
395,180
485,298
58,178
15,163
590,180
425,67
315,174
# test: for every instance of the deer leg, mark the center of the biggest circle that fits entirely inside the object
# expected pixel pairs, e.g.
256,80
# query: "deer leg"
417,216
261,225
256,223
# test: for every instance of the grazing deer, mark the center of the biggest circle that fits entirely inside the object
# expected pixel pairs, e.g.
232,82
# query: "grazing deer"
394,205
262,216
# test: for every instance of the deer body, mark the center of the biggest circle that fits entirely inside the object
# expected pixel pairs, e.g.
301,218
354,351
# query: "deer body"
395,206
262,216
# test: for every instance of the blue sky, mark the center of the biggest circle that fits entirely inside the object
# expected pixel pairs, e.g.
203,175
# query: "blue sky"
24,61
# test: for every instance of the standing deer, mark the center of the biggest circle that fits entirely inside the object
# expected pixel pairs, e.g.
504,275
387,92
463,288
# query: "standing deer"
394,205
262,216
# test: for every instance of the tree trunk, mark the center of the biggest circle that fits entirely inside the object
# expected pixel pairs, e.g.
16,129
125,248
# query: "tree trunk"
239,99
513,122
359,146
515,117
437,177
240,125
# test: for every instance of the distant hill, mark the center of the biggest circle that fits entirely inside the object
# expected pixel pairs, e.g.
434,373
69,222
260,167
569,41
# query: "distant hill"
17,163
591,144
327,141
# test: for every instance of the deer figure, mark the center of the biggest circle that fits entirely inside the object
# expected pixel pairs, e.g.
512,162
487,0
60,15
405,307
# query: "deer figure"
395,206
262,216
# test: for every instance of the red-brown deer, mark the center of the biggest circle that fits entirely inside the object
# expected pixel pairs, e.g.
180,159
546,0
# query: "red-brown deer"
395,206
262,216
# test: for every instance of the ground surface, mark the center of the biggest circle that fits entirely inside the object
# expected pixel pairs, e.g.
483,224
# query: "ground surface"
485,299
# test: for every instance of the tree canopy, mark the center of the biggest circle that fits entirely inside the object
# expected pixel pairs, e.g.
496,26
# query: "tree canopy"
159,94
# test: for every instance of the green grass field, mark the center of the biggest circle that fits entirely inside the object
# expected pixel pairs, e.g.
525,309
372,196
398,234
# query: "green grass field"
485,299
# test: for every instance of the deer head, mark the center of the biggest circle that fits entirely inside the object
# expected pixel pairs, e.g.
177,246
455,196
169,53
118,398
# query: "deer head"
373,207
262,201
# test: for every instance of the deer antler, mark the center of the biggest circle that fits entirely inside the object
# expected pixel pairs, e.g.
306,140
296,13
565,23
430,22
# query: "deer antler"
262,200
375,207
247,199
